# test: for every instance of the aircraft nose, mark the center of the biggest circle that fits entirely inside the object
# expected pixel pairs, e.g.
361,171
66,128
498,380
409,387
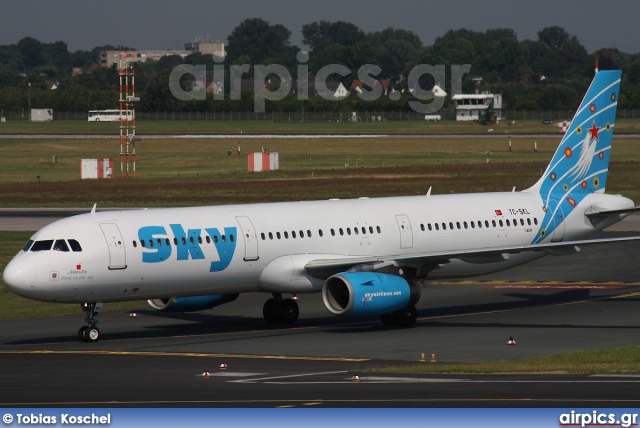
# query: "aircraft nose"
20,276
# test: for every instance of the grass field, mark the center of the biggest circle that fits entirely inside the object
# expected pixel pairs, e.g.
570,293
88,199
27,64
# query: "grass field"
262,127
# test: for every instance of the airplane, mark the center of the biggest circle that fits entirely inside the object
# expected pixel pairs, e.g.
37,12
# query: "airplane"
365,256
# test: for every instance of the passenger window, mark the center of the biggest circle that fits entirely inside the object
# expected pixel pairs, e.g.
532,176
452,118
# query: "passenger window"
230,237
444,226
422,227
278,235
191,240
175,241
208,239
270,236
333,232
371,230
224,238
529,221
42,245
27,245
308,234
473,225
348,231
142,244
150,243
355,230
302,233
508,223
159,242
184,241
262,236
521,222
458,224
437,227
166,241
135,244
320,232
500,222
465,225
341,232
451,225
61,245
535,221
215,239
378,229
429,226
286,235
364,230
199,239
293,234
493,223
486,223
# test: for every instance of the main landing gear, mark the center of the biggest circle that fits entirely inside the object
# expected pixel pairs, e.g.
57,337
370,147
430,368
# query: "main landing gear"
280,311
90,333
405,317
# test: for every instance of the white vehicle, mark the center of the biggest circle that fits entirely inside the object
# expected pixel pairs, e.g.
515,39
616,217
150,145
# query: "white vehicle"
365,256
109,115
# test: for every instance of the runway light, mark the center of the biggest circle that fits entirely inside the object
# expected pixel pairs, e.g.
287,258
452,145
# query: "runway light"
223,366
433,358
205,375
356,378
294,297
423,359
133,314
511,341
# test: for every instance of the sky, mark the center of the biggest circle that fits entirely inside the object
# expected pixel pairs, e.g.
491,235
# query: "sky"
168,24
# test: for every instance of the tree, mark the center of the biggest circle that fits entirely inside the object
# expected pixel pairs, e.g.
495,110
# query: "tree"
259,40
554,37
321,35
32,52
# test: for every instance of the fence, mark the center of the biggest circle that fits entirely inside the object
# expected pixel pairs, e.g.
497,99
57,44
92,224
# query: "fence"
315,116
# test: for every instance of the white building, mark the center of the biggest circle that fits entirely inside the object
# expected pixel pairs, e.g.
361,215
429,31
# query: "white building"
471,106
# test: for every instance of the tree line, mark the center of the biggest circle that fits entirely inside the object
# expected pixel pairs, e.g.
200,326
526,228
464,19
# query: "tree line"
550,73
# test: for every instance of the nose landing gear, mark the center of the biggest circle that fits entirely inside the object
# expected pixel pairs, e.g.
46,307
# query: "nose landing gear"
90,333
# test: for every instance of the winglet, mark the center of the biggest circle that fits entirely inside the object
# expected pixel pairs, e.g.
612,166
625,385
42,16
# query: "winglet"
93,210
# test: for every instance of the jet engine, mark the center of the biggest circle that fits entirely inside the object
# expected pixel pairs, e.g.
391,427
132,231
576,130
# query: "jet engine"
368,293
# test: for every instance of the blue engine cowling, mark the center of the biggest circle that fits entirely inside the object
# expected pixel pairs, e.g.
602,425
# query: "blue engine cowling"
367,293
192,303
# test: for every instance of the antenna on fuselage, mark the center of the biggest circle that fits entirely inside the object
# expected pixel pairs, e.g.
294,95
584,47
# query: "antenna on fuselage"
93,210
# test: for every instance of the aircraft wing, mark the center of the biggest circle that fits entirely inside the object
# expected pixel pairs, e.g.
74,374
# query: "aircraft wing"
324,268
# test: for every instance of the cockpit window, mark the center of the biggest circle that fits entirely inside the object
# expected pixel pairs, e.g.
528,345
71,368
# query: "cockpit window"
27,245
60,245
42,245
75,245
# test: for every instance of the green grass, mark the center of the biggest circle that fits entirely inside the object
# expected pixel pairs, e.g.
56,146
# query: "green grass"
262,127
612,360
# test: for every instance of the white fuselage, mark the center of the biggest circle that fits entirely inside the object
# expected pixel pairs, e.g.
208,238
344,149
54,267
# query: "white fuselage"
264,247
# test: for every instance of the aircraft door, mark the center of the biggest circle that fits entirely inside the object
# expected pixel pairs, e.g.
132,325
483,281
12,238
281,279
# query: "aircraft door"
558,220
406,235
117,255
250,238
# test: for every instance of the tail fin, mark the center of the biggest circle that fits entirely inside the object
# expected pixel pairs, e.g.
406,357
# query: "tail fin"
581,162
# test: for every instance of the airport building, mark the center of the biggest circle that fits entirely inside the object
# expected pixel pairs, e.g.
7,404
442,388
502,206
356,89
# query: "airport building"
473,106
109,58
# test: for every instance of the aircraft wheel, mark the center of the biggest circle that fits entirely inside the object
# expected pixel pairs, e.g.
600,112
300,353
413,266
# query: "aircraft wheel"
407,317
92,334
270,311
388,319
289,311
81,333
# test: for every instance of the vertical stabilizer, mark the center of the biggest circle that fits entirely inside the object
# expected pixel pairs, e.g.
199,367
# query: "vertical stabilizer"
581,162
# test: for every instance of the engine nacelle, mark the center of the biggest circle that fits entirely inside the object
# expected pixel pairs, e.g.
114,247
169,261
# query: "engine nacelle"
367,293
192,303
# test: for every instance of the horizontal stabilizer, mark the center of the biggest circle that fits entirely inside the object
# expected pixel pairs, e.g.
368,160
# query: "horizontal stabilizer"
607,213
